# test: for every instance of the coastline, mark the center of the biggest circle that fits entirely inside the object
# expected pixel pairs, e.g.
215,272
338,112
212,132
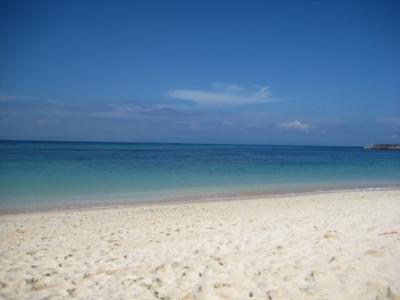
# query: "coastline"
331,245
93,204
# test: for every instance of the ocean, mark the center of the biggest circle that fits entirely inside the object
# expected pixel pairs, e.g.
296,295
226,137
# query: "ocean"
51,175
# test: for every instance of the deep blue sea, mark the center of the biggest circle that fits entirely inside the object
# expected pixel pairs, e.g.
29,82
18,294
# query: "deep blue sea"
38,175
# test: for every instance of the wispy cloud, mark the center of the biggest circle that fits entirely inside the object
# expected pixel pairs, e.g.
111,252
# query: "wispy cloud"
223,94
10,97
295,125
227,87
131,111
392,120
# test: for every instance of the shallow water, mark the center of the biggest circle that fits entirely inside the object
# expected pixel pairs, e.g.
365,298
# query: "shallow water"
40,174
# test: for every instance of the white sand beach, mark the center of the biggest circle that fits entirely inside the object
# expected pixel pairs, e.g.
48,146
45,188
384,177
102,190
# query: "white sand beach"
339,245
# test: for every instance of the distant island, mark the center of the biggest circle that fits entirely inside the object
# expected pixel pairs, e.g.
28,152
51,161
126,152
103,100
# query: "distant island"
383,147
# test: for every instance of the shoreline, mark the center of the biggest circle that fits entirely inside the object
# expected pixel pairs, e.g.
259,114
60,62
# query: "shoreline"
99,205
335,245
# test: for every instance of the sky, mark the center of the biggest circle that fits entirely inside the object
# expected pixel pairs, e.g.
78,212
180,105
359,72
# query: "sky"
257,72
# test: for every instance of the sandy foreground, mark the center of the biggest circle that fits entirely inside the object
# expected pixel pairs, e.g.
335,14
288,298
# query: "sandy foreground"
341,245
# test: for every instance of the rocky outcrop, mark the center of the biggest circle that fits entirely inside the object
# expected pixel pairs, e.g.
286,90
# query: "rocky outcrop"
383,147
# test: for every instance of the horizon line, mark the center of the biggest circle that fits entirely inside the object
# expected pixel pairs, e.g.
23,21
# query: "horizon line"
172,143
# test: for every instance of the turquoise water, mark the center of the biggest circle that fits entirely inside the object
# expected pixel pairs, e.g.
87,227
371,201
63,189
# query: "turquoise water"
52,174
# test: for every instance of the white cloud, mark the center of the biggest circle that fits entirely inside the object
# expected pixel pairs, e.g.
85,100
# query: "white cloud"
296,125
223,94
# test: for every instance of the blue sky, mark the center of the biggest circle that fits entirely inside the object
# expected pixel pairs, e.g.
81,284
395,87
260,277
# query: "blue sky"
265,72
